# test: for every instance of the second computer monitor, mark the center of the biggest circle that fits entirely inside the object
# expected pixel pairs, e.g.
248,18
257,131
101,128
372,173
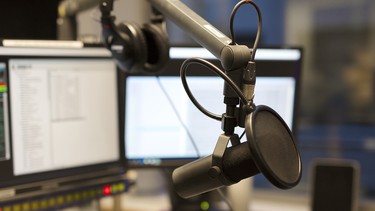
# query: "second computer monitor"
162,126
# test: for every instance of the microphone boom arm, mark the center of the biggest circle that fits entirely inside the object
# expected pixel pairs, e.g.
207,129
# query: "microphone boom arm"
231,56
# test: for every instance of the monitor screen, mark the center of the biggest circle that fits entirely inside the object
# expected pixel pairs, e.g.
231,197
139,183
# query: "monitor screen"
59,113
164,128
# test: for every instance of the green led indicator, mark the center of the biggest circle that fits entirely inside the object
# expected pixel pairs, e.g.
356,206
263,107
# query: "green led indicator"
205,205
3,89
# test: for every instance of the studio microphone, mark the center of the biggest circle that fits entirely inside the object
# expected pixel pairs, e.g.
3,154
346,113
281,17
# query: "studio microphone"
270,149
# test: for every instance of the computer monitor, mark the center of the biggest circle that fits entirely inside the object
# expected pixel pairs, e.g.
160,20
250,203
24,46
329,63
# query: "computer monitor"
59,116
161,123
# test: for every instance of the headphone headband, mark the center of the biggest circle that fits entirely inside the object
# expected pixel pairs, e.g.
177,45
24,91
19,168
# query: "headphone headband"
135,48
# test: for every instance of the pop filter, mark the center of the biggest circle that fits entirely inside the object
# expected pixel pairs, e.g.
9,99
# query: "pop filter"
273,147
270,149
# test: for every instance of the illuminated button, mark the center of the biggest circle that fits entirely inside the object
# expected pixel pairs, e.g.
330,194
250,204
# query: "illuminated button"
69,198
77,196
17,207
121,187
44,203
34,205
205,205
52,202
25,206
114,188
86,194
3,88
60,200
92,193
107,190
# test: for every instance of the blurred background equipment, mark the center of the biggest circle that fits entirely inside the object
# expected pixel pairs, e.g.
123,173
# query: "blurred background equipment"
29,19
335,185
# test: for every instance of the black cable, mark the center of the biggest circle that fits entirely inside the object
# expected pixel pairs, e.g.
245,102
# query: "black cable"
183,69
243,133
259,31
218,72
178,116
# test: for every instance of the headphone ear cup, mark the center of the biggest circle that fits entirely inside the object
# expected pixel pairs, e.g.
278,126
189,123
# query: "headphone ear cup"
158,47
137,48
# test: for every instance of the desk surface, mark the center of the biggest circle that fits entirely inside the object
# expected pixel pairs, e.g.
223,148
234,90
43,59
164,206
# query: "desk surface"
160,202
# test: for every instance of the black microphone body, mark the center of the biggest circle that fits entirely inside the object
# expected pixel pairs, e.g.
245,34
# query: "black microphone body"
194,178
238,163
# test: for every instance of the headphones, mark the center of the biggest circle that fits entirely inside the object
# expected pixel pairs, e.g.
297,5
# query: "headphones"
137,49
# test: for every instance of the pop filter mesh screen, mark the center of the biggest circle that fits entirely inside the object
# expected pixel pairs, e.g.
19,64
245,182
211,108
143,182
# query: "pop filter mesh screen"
276,148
